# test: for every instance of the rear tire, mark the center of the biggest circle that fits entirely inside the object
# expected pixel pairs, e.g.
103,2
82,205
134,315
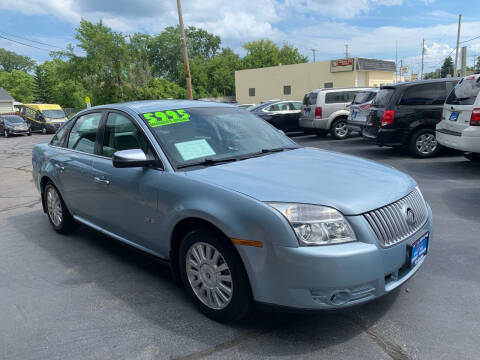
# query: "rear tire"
58,214
204,257
423,144
320,132
339,129
475,157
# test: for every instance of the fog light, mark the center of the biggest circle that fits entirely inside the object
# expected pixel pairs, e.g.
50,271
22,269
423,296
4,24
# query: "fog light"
340,297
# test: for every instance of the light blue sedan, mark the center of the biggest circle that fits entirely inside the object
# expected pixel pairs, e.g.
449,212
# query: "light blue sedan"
242,213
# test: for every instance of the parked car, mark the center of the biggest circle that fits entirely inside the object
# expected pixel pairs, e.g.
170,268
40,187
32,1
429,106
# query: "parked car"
241,212
46,118
405,115
283,114
359,109
13,125
460,125
325,110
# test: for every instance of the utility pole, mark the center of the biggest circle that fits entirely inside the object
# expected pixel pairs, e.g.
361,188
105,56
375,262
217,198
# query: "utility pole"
396,60
458,42
423,55
314,50
401,69
185,52
347,55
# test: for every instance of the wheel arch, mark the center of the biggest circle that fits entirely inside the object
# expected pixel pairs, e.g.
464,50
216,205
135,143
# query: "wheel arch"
336,115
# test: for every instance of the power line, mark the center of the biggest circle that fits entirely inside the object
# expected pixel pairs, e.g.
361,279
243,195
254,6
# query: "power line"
30,40
476,37
21,43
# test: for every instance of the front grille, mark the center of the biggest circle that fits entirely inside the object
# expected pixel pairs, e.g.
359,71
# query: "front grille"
390,224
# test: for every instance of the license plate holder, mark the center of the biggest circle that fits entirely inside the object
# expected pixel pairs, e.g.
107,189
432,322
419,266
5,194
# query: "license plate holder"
453,116
417,250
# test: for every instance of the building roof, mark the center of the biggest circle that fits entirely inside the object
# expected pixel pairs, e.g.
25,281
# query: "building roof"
4,95
374,64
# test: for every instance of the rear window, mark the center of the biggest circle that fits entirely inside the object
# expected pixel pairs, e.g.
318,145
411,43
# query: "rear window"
465,92
335,97
310,98
383,97
363,97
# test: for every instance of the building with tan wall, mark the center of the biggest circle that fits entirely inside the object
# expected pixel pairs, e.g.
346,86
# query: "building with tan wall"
293,81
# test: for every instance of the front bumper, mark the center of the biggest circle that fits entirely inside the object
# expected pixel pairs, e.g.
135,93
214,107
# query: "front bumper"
468,140
307,278
53,127
18,131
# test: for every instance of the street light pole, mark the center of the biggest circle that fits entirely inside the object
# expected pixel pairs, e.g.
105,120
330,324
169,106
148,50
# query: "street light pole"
185,52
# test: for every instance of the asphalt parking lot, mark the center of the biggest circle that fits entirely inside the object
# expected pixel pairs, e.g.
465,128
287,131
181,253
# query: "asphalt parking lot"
86,296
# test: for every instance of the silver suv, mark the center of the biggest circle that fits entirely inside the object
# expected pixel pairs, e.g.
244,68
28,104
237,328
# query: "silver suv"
325,110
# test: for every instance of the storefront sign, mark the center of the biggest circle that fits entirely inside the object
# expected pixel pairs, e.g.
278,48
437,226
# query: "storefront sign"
341,65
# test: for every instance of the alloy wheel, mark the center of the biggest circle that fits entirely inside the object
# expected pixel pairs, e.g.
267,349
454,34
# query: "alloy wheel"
54,207
209,275
426,144
341,129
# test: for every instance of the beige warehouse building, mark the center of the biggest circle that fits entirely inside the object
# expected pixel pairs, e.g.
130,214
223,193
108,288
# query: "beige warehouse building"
293,81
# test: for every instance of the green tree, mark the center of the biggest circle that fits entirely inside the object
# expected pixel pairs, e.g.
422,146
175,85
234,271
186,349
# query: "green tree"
140,70
221,73
433,75
160,89
19,84
10,61
290,55
261,53
165,50
447,67
42,91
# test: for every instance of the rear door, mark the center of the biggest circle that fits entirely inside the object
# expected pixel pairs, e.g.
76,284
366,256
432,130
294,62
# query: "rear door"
460,104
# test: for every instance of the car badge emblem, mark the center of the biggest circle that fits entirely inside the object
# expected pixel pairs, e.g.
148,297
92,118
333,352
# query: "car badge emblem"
410,216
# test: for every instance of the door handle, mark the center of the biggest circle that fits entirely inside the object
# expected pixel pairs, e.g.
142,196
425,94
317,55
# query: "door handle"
101,181
60,168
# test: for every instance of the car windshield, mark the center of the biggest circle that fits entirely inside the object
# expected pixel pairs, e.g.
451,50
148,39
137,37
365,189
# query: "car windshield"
53,114
13,119
363,97
465,92
195,135
383,97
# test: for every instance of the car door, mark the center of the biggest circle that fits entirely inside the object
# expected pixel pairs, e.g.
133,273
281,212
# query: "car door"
126,198
293,116
73,166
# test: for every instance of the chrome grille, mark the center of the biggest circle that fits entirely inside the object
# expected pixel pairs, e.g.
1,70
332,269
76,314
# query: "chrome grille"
390,224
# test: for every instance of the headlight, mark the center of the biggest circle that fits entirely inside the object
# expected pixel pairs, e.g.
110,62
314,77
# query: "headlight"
316,225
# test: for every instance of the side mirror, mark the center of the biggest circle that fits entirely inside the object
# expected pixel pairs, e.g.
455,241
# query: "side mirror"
131,158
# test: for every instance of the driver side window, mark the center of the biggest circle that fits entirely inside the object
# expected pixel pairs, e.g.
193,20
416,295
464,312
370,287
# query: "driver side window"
121,134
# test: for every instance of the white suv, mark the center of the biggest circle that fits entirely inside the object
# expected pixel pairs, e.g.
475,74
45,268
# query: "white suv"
459,127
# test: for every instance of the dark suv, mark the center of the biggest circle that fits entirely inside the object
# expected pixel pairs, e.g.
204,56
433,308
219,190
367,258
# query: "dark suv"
405,115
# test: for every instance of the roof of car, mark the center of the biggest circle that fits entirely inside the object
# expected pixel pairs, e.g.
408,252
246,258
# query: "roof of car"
344,88
415,82
145,106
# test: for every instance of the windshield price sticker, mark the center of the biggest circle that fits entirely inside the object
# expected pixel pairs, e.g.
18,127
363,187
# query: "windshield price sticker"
161,118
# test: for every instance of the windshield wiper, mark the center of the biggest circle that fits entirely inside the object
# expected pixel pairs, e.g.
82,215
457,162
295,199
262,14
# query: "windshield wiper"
208,162
269,151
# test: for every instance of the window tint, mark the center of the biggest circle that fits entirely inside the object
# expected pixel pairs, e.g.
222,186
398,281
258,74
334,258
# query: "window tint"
295,105
84,132
310,98
425,94
59,137
335,97
121,134
465,92
364,96
251,92
351,96
287,90
383,97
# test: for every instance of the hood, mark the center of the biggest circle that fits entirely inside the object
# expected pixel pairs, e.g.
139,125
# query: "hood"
312,176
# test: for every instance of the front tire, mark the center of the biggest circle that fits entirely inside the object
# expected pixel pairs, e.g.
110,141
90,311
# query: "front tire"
339,129
58,214
423,144
213,275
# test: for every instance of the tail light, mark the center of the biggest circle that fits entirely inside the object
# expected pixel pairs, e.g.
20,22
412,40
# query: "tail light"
387,117
475,117
318,112
365,107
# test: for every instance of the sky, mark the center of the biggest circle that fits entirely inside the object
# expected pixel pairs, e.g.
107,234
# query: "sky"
371,28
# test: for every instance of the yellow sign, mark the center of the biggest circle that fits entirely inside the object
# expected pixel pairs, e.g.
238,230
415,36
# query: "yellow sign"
87,99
